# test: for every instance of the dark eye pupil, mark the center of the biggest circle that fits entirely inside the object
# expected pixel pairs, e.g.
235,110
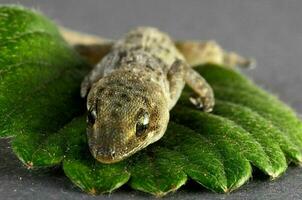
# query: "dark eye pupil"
141,129
91,117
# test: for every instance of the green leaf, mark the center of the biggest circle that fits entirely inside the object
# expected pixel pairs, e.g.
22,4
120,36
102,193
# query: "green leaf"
232,88
259,129
39,150
203,166
212,165
41,110
218,128
157,171
273,141
39,88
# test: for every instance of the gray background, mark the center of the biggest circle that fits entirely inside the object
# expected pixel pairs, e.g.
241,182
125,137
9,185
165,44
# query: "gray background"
268,30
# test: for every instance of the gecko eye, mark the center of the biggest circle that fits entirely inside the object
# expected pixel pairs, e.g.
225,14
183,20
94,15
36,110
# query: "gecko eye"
91,117
142,124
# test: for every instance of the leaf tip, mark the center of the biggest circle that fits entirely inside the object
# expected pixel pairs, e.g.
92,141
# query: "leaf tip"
277,173
274,176
92,191
29,165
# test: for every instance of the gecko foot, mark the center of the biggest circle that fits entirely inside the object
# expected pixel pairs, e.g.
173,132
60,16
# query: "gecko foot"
204,104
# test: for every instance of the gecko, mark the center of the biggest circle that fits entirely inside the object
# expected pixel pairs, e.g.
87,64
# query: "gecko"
135,84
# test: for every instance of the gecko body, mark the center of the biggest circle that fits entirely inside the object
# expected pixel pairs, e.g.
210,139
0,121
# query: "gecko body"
131,91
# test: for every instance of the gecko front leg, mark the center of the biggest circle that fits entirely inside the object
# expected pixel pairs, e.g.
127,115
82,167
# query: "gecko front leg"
98,56
176,80
204,95
95,74
181,73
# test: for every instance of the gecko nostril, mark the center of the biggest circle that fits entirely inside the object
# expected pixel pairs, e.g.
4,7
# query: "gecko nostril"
106,151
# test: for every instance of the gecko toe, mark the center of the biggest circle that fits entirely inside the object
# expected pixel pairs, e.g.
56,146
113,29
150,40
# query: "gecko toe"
197,102
200,103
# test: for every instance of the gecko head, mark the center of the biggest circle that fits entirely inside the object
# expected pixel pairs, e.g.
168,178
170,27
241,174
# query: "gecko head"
124,118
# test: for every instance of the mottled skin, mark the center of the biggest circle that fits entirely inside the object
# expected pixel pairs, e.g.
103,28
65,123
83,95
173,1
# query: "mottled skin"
132,89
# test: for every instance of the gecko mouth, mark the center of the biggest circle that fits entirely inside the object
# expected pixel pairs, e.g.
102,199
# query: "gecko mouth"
109,155
107,159
104,154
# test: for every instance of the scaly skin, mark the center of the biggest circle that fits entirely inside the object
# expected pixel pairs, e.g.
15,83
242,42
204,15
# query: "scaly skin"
132,89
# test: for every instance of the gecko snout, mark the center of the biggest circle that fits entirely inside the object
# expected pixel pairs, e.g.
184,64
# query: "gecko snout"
104,154
107,145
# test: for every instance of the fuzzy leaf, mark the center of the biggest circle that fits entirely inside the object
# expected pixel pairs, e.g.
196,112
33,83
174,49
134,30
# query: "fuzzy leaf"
230,86
157,170
39,88
41,110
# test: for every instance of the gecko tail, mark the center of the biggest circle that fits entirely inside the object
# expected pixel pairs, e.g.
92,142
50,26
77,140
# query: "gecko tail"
198,52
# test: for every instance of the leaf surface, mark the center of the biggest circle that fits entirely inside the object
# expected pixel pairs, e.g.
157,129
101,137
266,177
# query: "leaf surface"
39,89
